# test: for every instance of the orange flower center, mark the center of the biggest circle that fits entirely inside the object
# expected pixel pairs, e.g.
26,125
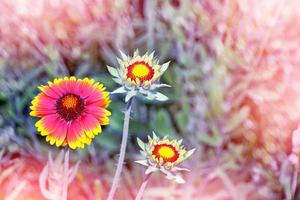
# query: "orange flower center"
140,71
166,152
70,106
70,101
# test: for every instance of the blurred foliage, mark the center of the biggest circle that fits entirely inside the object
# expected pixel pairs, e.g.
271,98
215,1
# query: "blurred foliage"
234,75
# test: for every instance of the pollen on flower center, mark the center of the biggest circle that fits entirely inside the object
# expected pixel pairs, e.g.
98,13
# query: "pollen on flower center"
70,106
166,152
140,71
70,101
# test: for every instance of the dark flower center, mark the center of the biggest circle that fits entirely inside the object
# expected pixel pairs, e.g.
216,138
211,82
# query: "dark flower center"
70,106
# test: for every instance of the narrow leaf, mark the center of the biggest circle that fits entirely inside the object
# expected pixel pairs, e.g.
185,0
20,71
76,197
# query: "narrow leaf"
189,153
154,136
237,119
179,179
119,90
160,97
136,53
151,55
130,94
113,71
117,80
120,61
142,162
155,86
141,143
174,169
150,96
124,57
164,67
150,169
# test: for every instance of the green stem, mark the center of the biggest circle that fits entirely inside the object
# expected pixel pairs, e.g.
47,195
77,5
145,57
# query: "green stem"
143,187
117,176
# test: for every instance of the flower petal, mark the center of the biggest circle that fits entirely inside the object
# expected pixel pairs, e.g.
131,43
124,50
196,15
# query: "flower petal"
60,133
90,125
42,105
74,134
99,113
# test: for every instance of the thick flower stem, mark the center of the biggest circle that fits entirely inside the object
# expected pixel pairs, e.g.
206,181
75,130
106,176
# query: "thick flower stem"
65,176
117,176
143,187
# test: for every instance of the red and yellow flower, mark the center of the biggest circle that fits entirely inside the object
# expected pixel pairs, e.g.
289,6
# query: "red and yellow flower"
72,111
164,155
141,71
139,74
166,152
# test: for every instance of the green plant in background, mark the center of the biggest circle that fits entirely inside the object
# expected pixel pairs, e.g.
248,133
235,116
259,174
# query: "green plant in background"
234,85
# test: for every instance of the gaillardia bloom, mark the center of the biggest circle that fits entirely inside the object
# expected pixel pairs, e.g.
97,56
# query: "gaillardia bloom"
139,74
71,111
164,155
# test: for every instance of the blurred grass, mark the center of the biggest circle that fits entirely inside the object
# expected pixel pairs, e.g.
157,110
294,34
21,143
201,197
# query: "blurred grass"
229,78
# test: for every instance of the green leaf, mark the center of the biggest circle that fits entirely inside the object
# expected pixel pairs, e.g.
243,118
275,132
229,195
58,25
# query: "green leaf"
155,86
150,96
150,169
123,55
154,136
117,80
136,53
108,141
237,119
189,153
142,162
216,95
105,79
179,179
119,90
212,140
182,116
117,117
151,56
136,126
161,123
160,97
119,61
113,71
141,143
164,67
130,94
179,141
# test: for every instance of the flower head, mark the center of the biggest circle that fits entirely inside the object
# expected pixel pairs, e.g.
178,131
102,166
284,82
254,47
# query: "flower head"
71,111
139,74
164,155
